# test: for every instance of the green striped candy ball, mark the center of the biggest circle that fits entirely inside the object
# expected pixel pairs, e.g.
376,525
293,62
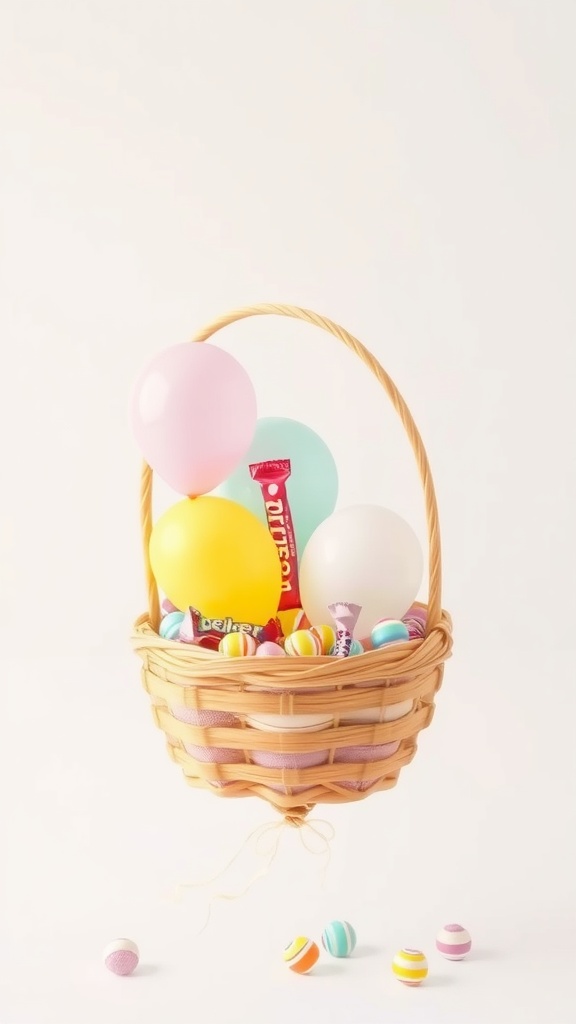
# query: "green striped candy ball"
339,938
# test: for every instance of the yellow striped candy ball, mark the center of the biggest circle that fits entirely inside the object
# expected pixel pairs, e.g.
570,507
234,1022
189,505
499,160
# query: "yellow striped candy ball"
410,966
303,643
326,636
237,645
301,955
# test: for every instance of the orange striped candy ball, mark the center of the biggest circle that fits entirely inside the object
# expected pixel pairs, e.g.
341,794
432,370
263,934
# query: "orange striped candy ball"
326,636
301,955
303,643
410,966
237,645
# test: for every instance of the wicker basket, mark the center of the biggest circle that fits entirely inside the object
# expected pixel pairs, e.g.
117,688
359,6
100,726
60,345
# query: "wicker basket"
201,700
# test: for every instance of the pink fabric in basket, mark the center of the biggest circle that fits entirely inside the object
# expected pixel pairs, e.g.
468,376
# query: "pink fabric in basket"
361,755
209,719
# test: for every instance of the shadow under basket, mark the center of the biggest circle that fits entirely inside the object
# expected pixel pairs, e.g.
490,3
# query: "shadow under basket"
362,714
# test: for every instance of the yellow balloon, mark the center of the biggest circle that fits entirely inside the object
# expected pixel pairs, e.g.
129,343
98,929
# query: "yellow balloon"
214,555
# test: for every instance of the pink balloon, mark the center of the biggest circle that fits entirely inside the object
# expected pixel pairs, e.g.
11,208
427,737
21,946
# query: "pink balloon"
193,415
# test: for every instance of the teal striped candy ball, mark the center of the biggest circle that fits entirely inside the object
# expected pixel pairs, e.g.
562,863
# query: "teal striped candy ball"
339,938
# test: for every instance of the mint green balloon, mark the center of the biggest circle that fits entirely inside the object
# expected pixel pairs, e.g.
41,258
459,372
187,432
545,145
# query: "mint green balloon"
312,486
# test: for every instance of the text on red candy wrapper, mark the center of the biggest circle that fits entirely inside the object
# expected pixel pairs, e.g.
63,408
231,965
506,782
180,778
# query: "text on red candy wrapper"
284,542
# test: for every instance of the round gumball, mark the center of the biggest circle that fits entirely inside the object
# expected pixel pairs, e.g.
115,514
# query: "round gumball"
303,644
170,625
270,650
339,938
301,955
326,635
453,941
389,631
193,417
121,956
410,966
238,645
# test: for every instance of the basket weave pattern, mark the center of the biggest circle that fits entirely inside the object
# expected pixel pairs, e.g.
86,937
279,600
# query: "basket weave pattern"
186,683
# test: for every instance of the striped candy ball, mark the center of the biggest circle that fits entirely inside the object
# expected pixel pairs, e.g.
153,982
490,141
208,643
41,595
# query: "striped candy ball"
303,644
170,625
410,966
326,635
453,941
301,955
389,631
339,938
237,645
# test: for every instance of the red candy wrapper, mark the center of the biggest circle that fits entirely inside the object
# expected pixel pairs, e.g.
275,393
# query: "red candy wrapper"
197,629
345,618
272,477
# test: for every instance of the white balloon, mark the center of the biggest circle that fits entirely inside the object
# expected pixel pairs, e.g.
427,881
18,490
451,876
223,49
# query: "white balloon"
364,554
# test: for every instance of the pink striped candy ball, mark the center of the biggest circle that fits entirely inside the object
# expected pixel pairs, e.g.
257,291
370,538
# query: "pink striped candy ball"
121,956
453,941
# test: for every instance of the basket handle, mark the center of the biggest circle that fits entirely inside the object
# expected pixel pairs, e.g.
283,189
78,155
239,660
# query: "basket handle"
434,550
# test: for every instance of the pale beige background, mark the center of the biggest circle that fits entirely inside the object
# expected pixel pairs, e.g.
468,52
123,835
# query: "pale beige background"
405,167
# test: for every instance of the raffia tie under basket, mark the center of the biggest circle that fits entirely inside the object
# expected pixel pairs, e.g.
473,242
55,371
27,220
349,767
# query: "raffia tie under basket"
183,680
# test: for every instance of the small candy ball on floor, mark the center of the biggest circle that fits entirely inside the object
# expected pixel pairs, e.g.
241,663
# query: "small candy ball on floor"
303,644
453,941
339,938
389,631
301,955
170,625
238,645
410,966
121,956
